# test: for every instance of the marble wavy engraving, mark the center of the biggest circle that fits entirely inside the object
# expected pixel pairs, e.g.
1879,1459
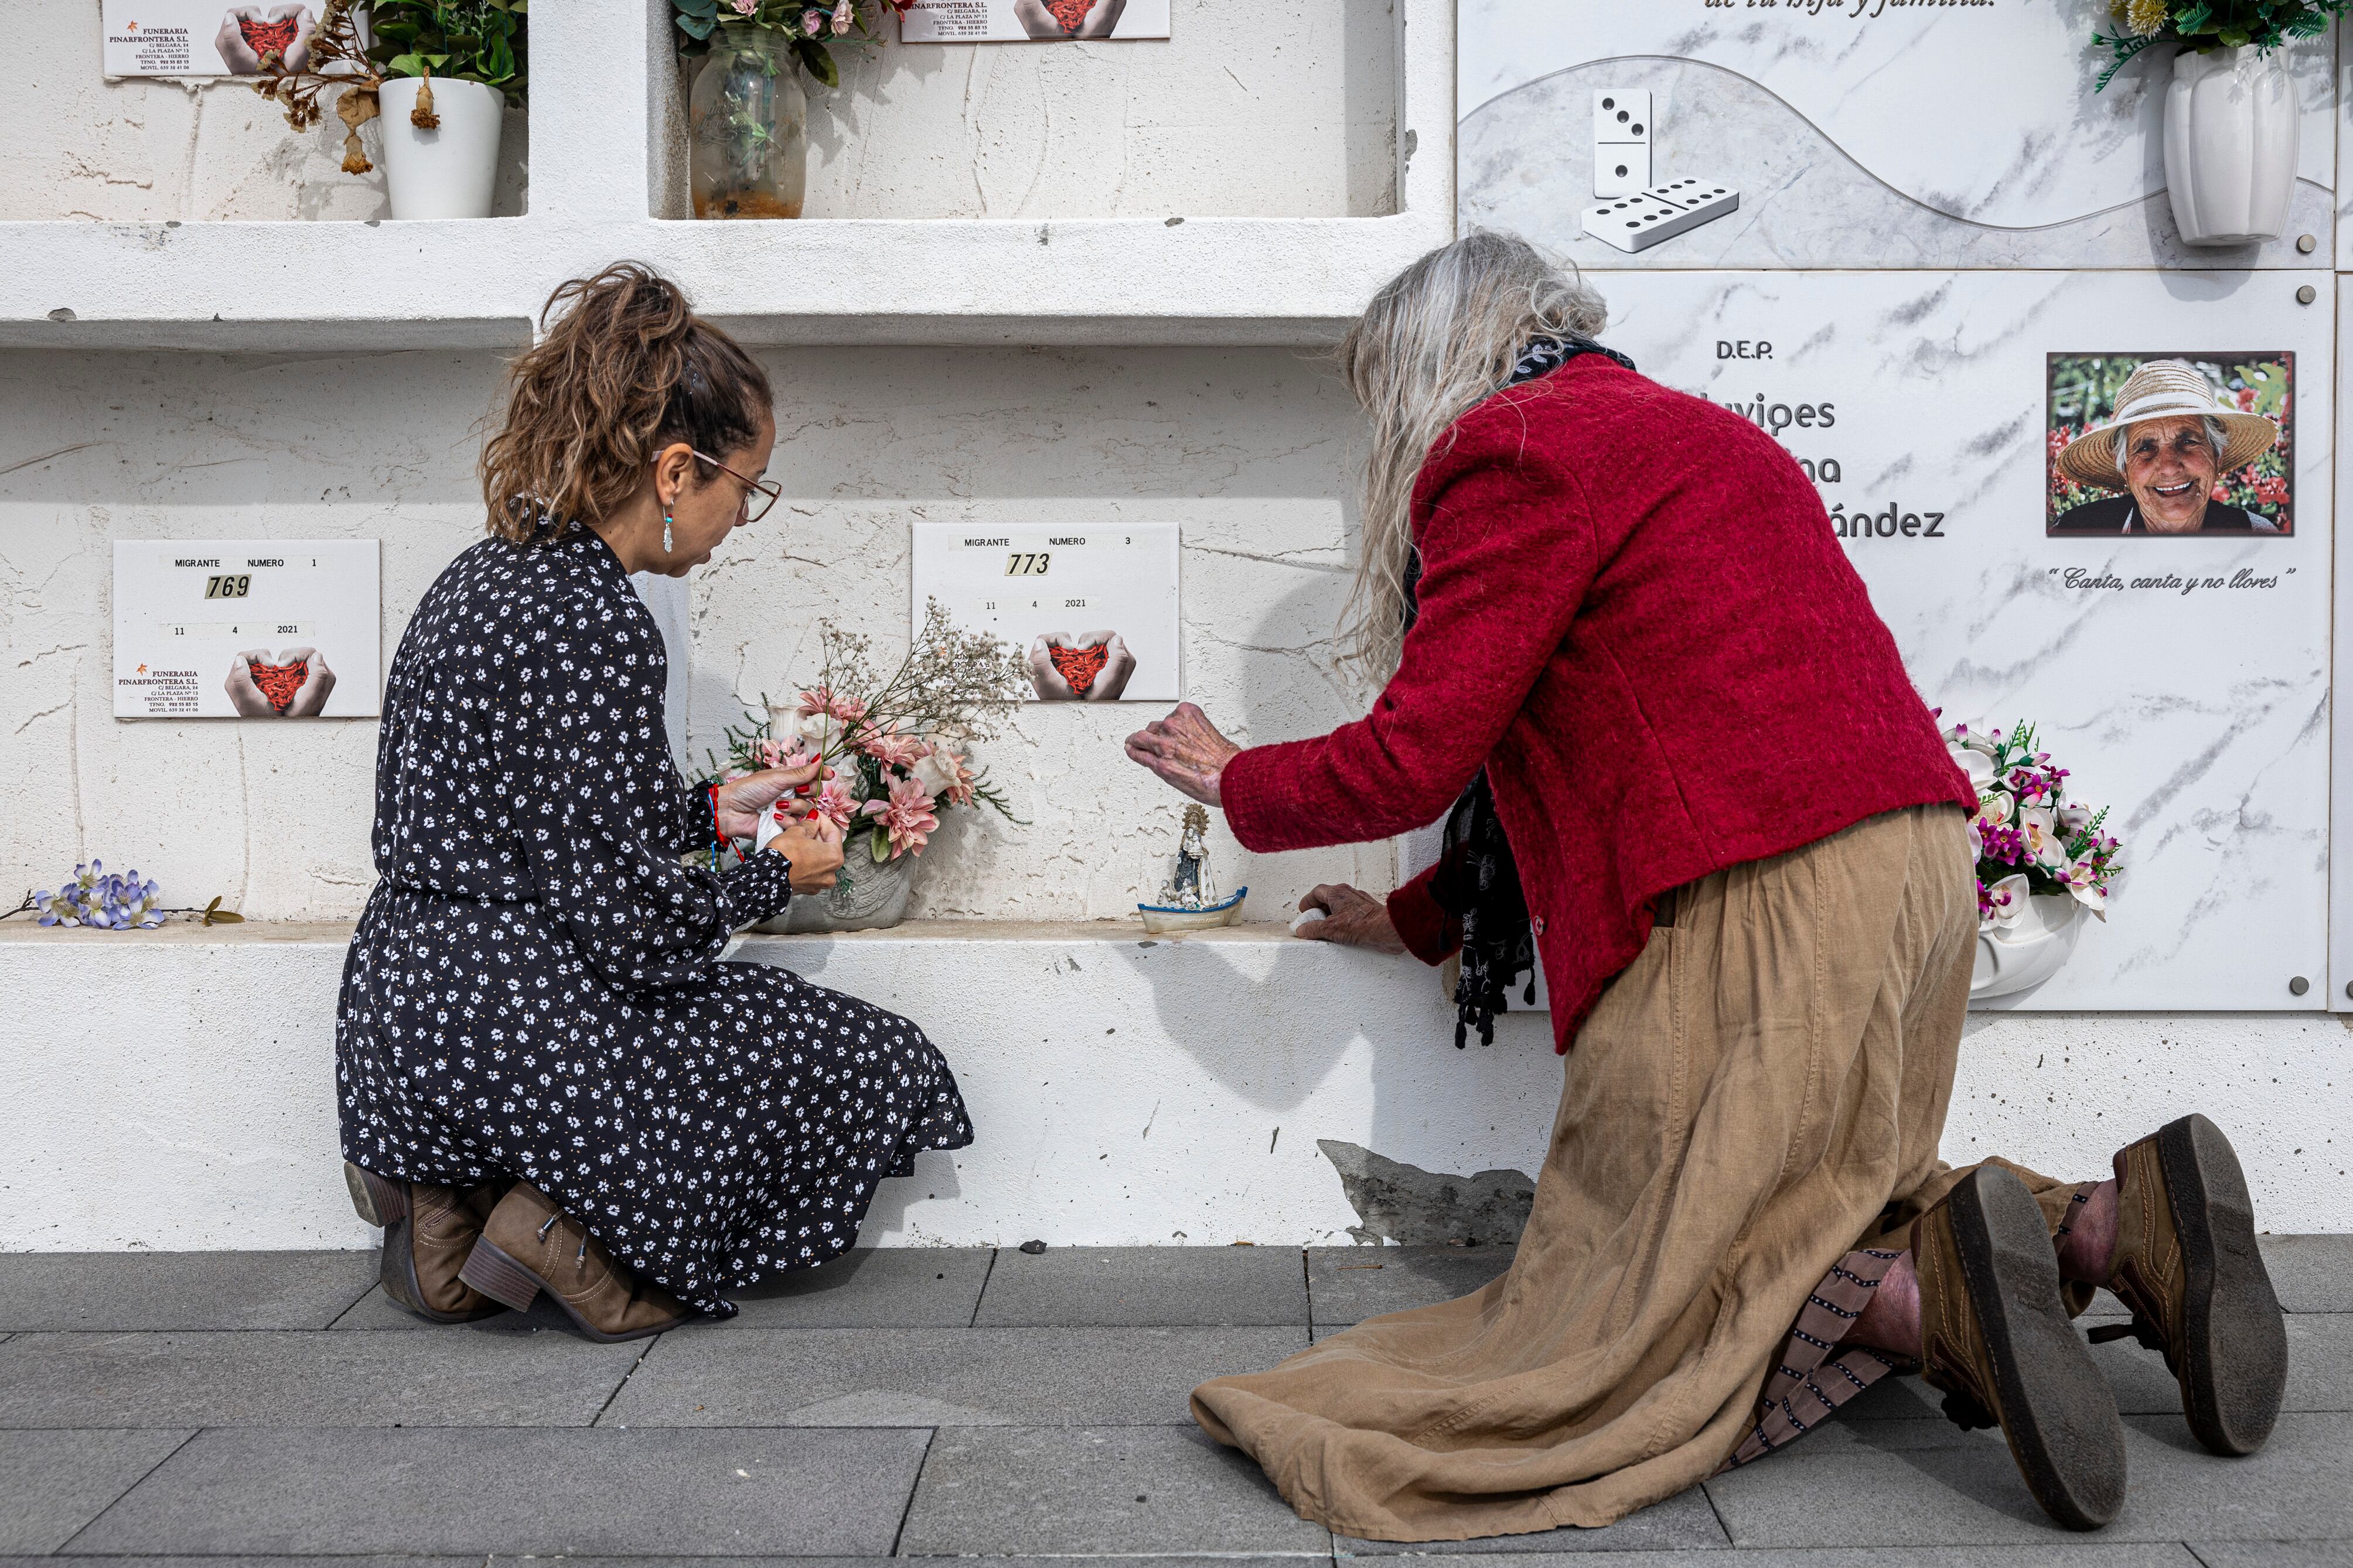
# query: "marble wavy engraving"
1524,162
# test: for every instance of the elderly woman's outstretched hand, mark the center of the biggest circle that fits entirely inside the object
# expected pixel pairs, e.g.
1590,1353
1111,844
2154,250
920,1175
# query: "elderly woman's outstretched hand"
1350,916
1185,750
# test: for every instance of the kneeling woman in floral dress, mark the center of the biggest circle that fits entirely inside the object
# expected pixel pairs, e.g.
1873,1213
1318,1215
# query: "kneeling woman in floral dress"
548,1079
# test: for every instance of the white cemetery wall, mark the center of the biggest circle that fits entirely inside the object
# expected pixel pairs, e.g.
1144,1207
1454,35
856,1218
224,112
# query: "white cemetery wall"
1247,450
1301,123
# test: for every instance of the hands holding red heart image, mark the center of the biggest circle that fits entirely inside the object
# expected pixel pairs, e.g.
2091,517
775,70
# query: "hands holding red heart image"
1092,667
1051,19
248,32
296,687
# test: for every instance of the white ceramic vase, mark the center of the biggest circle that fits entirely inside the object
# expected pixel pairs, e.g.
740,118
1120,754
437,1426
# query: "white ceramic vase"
451,172
2014,957
2230,127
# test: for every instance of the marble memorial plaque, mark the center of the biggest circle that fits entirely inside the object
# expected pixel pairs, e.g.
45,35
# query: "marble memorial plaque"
1094,610
246,628
2340,926
1861,134
1030,21
2183,678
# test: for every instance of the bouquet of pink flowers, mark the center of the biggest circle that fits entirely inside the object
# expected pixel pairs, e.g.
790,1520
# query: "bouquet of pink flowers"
895,751
2028,837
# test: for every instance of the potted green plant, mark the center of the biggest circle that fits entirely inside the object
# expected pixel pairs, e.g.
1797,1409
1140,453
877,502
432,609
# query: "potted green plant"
437,76
747,114
2231,111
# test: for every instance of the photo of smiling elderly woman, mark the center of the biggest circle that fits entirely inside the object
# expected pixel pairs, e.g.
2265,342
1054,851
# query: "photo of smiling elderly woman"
2193,444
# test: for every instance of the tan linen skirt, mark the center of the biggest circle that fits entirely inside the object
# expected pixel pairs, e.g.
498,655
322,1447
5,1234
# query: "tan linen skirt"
1759,1092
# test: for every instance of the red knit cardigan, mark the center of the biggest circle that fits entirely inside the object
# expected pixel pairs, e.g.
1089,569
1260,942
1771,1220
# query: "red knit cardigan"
1634,612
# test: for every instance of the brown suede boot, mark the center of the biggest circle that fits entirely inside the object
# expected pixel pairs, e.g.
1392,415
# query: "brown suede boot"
423,1253
428,1231
1995,1337
529,1245
2187,1264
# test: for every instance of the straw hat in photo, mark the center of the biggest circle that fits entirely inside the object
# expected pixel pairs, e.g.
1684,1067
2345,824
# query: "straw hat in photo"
2164,389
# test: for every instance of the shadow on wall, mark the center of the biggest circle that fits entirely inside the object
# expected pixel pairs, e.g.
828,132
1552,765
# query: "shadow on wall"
1272,1037
1414,1207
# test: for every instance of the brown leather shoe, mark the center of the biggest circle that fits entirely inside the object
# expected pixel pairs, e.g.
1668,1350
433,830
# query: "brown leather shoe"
428,1230
529,1245
1995,1337
2187,1264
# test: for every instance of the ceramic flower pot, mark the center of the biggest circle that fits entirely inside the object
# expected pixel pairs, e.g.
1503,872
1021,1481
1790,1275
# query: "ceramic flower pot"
869,897
449,171
2013,957
747,127
2230,129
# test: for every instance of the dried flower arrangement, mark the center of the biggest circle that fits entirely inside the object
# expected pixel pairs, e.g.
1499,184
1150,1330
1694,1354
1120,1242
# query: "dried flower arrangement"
2212,24
461,41
894,750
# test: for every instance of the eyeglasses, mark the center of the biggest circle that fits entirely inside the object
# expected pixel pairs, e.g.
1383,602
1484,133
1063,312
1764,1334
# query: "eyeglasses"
747,509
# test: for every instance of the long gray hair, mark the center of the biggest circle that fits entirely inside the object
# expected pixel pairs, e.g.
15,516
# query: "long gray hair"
1440,336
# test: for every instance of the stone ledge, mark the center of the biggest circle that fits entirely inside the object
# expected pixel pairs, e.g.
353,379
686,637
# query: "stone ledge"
756,945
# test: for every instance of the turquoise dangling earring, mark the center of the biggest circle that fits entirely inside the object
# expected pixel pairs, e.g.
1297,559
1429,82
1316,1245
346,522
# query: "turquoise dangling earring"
666,546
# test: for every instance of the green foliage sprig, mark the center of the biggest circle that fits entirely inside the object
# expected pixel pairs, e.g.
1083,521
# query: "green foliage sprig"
469,40
810,28
2202,25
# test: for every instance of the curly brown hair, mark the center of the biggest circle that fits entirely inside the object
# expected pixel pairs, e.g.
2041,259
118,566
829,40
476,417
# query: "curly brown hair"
625,370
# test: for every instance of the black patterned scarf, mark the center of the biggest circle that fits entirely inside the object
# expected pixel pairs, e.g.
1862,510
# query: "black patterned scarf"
1478,883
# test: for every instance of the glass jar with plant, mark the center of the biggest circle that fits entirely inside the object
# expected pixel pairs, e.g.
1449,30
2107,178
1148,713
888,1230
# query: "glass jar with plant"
747,115
437,76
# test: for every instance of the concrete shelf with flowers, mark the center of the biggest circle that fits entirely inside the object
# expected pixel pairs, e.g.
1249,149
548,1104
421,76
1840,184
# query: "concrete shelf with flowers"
1209,255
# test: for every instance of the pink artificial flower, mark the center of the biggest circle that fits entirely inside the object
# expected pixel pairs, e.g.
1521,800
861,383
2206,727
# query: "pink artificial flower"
842,17
848,710
744,7
959,791
891,747
812,23
834,802
906,816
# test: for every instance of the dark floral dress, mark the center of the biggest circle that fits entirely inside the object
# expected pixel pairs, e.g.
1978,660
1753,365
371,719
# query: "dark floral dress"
535,989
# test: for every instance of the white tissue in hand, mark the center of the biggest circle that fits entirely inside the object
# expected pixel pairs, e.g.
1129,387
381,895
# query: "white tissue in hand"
1305,915
767,829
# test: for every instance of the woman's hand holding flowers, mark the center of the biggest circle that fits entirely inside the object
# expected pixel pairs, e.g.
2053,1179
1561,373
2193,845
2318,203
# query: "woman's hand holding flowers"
813,845
743,801
1186,751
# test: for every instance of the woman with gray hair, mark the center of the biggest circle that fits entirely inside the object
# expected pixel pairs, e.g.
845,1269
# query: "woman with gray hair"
2166,448
1681,768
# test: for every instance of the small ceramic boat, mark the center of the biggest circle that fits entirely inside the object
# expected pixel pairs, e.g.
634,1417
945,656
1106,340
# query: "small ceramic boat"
1160,919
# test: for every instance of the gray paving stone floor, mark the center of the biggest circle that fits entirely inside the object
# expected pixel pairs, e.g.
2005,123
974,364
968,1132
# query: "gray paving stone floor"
273,1410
